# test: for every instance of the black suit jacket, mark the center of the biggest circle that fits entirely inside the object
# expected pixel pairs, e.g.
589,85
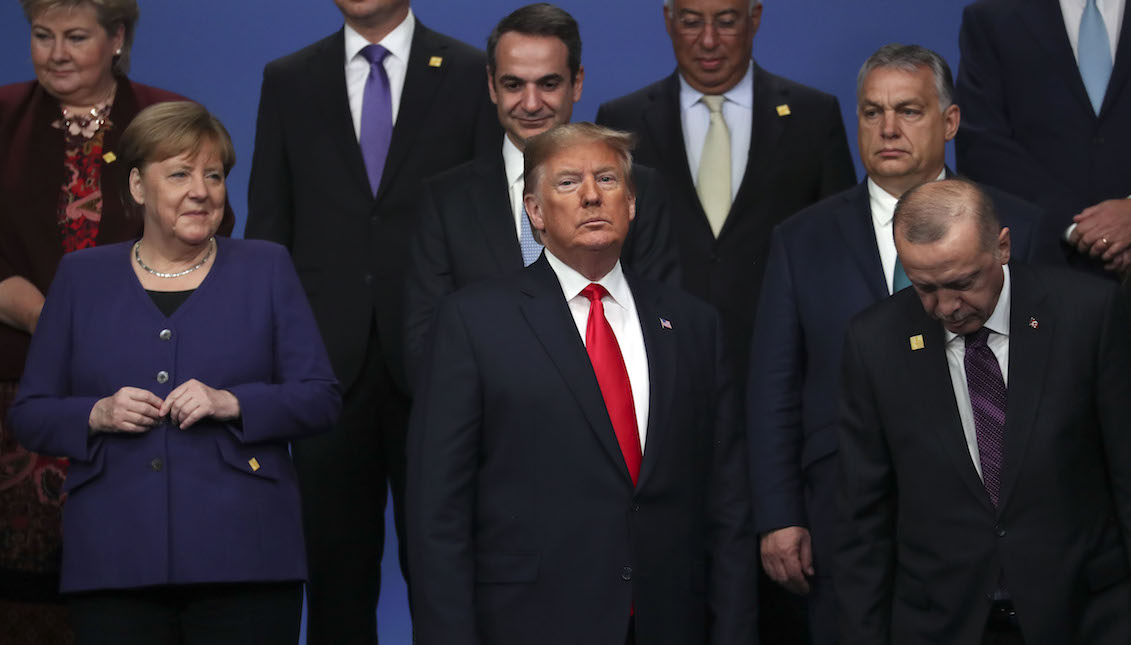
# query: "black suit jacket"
1028,126
523,523
921,545
465,232
824,268
309,189
795,160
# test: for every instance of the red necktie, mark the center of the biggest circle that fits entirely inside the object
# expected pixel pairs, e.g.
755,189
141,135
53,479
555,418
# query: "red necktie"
612,377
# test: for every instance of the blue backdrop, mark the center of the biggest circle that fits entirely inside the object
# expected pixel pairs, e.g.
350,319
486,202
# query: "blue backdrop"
214,52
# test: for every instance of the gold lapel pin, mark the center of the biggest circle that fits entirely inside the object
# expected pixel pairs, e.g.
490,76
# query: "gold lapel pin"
254,463
916,342
109,157
435,61
783,109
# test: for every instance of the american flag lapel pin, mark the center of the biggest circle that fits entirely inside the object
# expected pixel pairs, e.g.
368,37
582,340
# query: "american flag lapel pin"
665,323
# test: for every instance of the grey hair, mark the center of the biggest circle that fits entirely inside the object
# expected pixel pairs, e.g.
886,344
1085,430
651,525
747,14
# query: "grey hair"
925,213
541,147
753,3
910,58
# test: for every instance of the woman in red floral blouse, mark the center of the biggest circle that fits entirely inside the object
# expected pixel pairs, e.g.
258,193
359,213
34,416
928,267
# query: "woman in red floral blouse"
58,179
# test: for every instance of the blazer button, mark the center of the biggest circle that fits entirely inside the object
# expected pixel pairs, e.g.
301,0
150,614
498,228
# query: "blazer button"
162,376
157,464
636,507
626,573
165,334
368,278
1000,530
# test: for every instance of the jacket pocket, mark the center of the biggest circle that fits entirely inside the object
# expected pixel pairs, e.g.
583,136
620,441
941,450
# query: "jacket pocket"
258,462
506,568
80,473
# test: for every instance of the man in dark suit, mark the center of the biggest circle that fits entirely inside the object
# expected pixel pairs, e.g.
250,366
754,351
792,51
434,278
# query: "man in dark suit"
827,263
348,128
985,489
1047,116
576,469
471,223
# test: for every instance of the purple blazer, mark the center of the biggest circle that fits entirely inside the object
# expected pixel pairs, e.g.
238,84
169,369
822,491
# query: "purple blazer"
217,502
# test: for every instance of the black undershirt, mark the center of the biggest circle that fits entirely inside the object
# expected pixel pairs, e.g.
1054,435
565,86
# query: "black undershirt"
169,301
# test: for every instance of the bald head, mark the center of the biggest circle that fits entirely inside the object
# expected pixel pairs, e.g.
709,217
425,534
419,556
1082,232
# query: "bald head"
925,214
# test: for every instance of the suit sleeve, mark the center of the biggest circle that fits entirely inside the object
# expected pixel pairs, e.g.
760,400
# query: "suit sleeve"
985,148
649,249
45,417
837,172
429,280
774,400
732,566
1113,402
865,558
302,397
443,443
270,212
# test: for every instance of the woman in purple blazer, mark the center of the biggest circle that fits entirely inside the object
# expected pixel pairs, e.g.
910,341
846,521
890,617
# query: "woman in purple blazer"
172,371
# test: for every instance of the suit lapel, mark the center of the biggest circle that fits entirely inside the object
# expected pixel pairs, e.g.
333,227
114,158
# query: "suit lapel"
860,239
332,98
660,345
549,317
766,128
1046,22
1028,358
935,396
1120,70
420,85
492,208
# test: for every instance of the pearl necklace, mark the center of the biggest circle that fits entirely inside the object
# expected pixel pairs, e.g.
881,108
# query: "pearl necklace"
137,256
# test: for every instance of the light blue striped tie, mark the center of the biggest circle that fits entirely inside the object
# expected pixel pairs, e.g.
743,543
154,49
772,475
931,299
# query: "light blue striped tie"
531,249
1094,54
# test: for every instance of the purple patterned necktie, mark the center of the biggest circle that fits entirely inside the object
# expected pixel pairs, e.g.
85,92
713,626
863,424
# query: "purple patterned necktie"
987,398
376,115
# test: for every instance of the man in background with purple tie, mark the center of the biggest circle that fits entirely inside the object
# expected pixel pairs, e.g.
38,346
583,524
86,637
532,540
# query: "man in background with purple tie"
985,458
577,470
347,129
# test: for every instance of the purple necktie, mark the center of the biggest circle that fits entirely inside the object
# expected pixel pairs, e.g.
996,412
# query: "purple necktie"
987,398
376,115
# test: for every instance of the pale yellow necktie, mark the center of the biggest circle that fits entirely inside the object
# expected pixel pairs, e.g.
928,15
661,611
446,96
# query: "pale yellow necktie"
714,166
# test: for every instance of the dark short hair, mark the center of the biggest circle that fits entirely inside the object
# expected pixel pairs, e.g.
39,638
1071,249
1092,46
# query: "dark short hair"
910,58
539,19
165,130
925,213
111,14
540,148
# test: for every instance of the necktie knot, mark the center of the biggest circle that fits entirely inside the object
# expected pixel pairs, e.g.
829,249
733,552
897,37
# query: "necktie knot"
594,292
713,102
375,54
978,339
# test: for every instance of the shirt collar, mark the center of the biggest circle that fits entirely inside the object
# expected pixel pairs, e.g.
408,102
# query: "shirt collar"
998,322
883,202
398,41
512,161
742,94
573,282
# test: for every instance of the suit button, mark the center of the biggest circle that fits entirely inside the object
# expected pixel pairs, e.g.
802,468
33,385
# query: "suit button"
1098,141
636,507
162,376
1000,530
165,334
157,464
368,278
626,573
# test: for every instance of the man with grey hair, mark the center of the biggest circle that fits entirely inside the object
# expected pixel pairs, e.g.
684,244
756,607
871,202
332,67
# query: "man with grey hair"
577,469
827,263
984,493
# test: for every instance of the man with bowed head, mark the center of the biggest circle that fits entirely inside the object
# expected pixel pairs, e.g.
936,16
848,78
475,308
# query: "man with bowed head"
576,469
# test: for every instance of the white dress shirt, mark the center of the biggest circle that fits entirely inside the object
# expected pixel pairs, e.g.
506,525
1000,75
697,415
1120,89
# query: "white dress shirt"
998,341
513,168
398,42
620,311
883,210
1112,12
738,112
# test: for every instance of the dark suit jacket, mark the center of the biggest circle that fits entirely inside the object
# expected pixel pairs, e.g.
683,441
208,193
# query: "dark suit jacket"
921,546
31,176
309,189
794,161
465,233
1027,124
523,523
824,268
217,502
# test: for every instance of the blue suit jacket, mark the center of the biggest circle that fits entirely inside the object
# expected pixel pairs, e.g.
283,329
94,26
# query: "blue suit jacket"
216,502
824,268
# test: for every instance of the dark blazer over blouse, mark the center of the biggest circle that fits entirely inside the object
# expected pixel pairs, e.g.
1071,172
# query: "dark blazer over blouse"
216,502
